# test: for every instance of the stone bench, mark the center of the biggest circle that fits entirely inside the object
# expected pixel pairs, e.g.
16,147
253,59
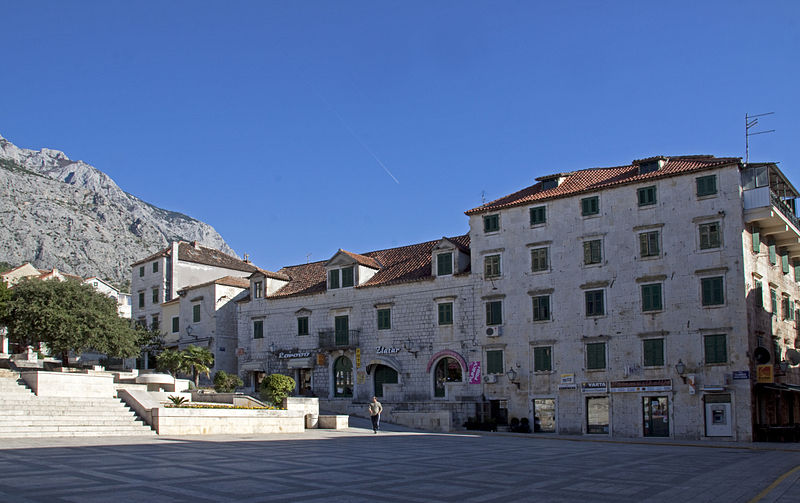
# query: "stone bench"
334,422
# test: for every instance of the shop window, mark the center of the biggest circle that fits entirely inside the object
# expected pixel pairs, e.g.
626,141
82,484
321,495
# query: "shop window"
343,377
597,415
383,375
446,370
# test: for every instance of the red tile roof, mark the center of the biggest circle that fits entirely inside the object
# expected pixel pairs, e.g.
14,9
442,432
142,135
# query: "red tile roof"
397,265
590,180
188,252
362,259
269,274
224,281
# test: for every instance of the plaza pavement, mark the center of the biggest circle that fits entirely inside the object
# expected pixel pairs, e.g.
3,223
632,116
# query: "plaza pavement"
396,465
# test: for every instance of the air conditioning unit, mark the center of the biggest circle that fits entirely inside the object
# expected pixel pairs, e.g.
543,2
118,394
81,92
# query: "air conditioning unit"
490,379
494,331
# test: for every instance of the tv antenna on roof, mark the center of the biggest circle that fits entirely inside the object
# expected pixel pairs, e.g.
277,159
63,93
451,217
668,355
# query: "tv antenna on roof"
751,121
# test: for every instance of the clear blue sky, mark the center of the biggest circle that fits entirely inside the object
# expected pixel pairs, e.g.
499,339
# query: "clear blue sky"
276,122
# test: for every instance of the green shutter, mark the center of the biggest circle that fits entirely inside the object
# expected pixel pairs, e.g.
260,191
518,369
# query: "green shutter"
653,352
772,252
596,355
542,359
756,234
716,348
494,362
785,262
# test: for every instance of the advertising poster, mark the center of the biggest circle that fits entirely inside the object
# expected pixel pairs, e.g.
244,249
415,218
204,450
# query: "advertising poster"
474,372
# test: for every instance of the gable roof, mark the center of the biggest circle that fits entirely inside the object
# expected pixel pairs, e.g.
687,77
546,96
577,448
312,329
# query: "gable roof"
404,264
192,252
269,274
223,281
359,259
594,179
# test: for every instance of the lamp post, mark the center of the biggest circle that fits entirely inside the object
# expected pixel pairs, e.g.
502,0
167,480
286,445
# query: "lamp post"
680,368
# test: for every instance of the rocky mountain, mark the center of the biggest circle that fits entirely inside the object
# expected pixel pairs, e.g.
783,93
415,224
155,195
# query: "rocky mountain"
56,212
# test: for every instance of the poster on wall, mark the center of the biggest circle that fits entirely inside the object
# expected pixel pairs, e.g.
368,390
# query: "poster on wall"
474,372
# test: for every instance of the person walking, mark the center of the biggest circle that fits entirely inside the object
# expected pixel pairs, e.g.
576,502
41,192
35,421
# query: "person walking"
375,408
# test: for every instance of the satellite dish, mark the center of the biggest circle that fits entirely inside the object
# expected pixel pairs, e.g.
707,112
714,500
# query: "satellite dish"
793,356
761,355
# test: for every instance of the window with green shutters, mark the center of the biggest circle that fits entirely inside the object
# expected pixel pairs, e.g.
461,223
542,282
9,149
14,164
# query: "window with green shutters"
543,359
155,266
596,356
756,237
541,308
646,195
333,278
648,244
155,295
444,264
758,293
788,308
494,312
713,292
195,313
384,319
491,266
539,259
590,206
446,313
651,297
706,185
494,361
796,266
594,303
592,252
538,215
716,348
773,298
773,255
141,271
341,325
141,299
302,325
710,236
785,262
258,329
653,352
348,277
176,324
491,223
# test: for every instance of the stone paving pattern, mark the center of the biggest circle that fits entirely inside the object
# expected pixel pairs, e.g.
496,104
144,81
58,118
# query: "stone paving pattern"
395,465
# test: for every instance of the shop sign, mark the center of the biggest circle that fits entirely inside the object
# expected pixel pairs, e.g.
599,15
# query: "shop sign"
643,385
594,387
474,372
297,354
240,351
765,373
320,358
567,382
361,377
382,350
358,357
741,374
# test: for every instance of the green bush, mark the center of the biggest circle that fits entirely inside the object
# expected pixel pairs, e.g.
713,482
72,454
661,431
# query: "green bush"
276,387
225,382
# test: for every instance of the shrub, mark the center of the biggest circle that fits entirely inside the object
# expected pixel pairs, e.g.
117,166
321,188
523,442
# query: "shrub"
177,400
276,387
225,382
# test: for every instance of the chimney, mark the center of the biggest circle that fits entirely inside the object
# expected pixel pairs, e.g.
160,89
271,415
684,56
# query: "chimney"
196,245
246,258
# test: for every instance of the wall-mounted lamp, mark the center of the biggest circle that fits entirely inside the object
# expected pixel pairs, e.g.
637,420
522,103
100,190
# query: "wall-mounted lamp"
189,331
512,377
272,347
680,368
408,347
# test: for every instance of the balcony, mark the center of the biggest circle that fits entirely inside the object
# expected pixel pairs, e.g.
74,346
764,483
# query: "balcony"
338,339
771,206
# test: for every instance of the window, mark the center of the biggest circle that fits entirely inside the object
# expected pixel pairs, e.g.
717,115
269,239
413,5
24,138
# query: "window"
706,185
716,349
154,322
538,215
596,356
348,277
592,252
384,319
491,266
341,330
444,264
446,370
195,313
343,377
446,313
648,244
539,260
594,303
773,255
494,361
710,236
758,293
155,266
713,293
141,271
333,279
785,262
756,238
494,312
796,265
141,299
773,297
541,308
646,195
155,295
302,325
491,223
176,324
258,289
590,206
788,308
653,351
258,329
651,297
543,359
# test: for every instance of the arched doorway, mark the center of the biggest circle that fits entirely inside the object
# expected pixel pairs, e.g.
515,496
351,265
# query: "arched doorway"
343,377
447,370
383,375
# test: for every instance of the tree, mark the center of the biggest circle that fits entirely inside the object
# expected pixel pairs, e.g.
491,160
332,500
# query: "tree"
5,298
67,316
225,382
276,387
199,360
170,361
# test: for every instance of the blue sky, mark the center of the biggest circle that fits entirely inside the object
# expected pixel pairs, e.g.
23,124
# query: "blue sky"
285,124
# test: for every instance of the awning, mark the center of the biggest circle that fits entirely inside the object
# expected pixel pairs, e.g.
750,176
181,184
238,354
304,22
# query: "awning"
300,363
779,387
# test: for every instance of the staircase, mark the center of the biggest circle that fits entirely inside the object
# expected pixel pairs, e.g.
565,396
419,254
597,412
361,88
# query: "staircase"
23,414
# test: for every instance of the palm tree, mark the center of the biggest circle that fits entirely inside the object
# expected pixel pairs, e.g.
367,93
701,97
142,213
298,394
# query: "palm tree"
199,360
170,361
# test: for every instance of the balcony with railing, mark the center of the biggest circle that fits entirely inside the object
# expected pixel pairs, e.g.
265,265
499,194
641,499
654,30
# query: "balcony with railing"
769,205
338,339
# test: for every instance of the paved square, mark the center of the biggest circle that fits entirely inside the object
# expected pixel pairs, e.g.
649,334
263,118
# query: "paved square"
399,465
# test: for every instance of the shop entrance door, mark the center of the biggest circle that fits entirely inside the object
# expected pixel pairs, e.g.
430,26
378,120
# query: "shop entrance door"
718,416
544,415
597,414
655,416
384,375
304,382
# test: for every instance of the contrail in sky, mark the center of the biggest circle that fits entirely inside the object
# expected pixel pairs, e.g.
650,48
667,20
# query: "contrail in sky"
358,138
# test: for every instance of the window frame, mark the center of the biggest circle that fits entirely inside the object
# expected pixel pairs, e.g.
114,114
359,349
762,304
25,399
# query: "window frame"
537,260
593,250
646,196
155,266
706,287
196,314
715,343
141,299
141,271
708,239
384,318
258,329
593,301
333,279
701,180
444,258
647,290
660,352
590,358
590,206
494,309
536,302
492,266
445,314
492,355
538,215
302,326
348,276
176,324
491,223
258,289
543,359
646,244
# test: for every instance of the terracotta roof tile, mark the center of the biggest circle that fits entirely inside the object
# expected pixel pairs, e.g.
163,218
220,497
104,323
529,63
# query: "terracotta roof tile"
589,180
188,252
224,281
270,274
362,259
